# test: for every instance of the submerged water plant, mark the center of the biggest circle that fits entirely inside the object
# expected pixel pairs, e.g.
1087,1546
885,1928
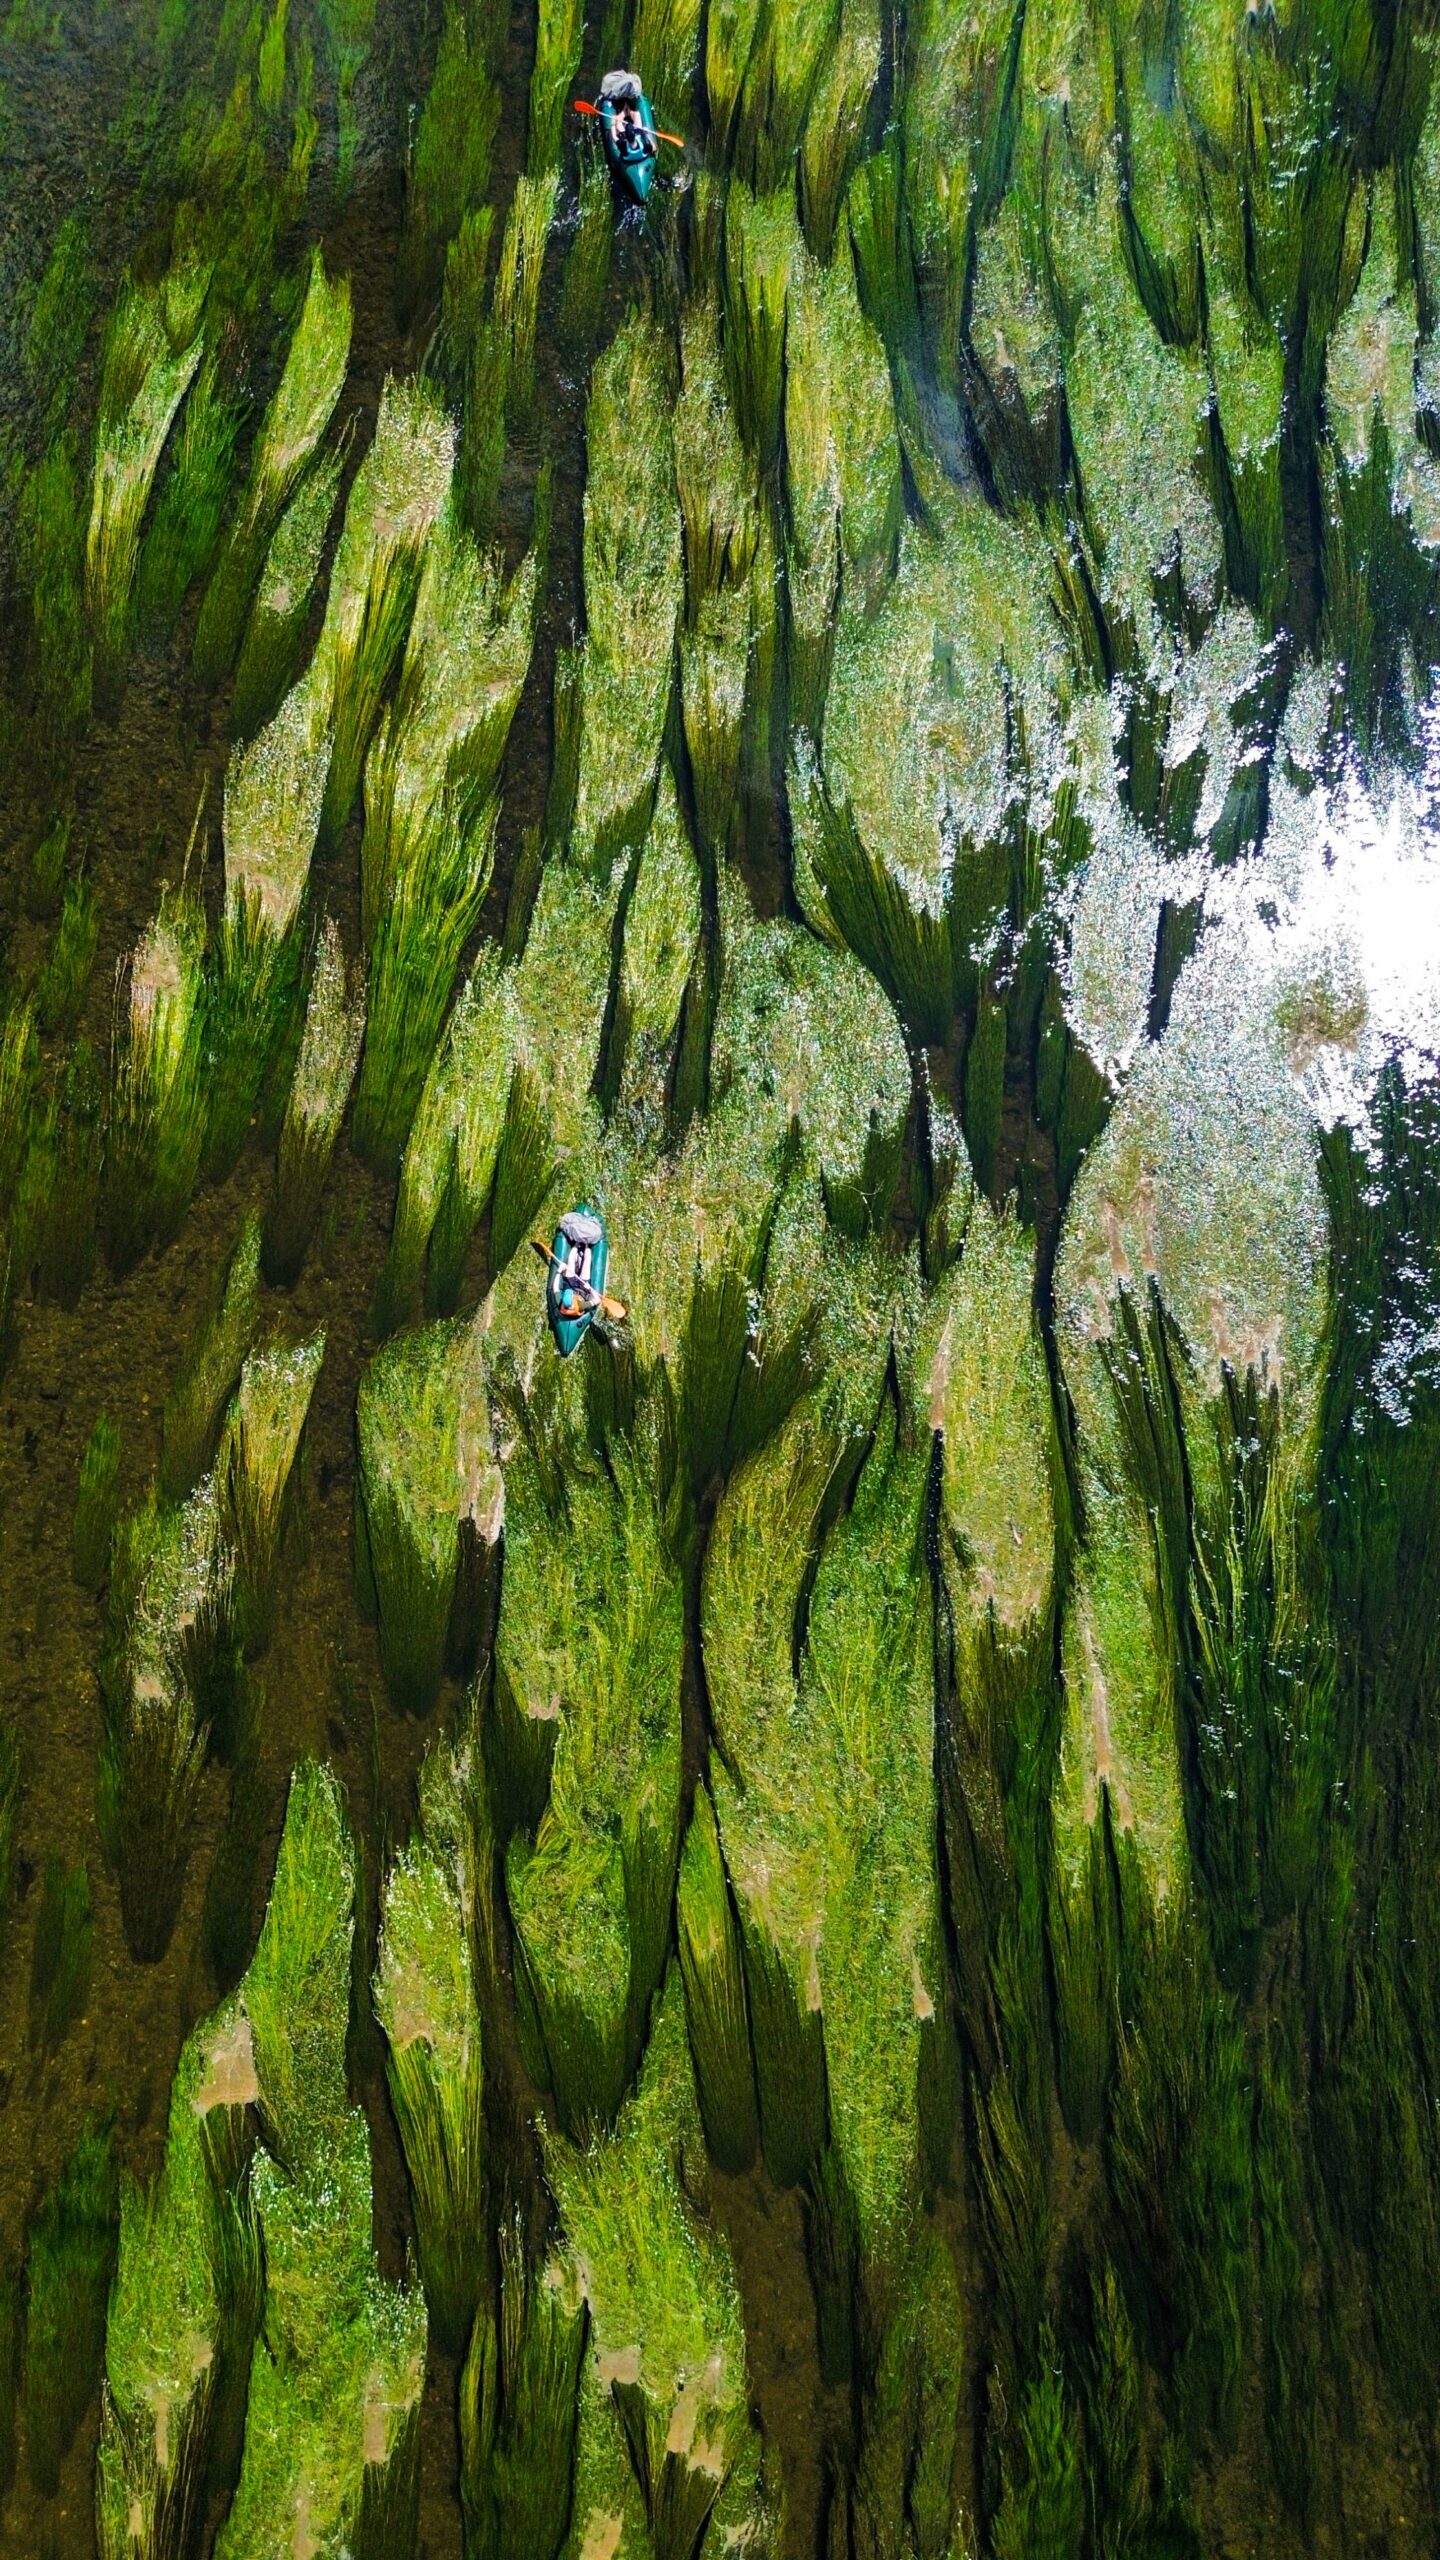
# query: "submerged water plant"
183,2306
151,353
167,1671
257,1457
97,1504
423,1461
270,653
589,1652
60,1954
395,499
68,2262
425,1999
157,1110
632,590
298,414
664,2419
331,2427
190,1427
429,822
319,1090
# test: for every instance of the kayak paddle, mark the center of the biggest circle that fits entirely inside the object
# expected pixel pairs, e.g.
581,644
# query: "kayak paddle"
583,107
609,1307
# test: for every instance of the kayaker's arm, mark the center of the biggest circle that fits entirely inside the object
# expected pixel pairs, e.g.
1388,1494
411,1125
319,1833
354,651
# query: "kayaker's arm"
607,1306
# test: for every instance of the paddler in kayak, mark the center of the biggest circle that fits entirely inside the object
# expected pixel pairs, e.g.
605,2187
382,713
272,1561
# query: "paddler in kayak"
627,129
575,1290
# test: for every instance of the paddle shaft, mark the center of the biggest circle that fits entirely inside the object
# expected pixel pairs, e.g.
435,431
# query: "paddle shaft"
583,107
596,1298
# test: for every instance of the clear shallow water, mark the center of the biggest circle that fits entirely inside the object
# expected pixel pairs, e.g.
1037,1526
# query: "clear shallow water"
1200,1168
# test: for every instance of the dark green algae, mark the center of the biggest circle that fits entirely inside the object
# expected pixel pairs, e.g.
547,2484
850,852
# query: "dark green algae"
1315,2028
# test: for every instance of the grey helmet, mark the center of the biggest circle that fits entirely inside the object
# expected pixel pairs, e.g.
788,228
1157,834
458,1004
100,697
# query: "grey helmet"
621,89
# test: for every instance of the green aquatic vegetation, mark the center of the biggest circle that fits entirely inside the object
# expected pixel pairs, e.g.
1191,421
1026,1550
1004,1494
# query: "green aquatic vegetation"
290,432
867,1706
1135,408
184,530
827,1813
558,39
274,790
1179,2155
70,2253
591,1641
730,32
48,868
1042,2508
761,1548
167,1672
839,107
585,291
957,112
152,349
228,1923
50,523
396,498
790,46
716,484
761,241
331,2431
737,1352
423,1459
662,937
667,2340
58,323
1289,2324
60,1954
158,1102
463,301
296,1993
10,2333
430,816
720,515
715,663
804,1035
990,1401
257,1457
520,2391
64,976
450,1155
183,2306
911,852
97,1504
1259,1704
877,224
448,169
57,1208
210,1368
842,470
1162,199
315,1106
665,36
565,965
9,1816
1381,490
425,2000
1370,359
716,2013
271,650
19,1067
515,309
1012,354
633,587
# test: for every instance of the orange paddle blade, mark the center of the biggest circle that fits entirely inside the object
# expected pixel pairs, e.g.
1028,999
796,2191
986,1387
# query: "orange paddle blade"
583,107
